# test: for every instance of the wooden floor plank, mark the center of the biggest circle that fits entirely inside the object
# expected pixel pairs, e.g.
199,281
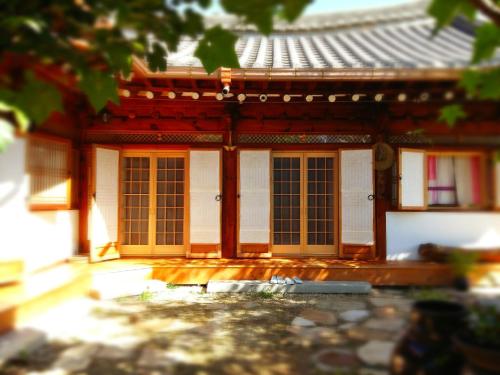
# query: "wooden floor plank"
389,273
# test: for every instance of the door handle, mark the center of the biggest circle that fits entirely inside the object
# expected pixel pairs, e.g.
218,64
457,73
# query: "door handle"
371,197
218,197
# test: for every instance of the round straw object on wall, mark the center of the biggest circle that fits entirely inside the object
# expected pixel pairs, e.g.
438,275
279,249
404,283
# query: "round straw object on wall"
383,155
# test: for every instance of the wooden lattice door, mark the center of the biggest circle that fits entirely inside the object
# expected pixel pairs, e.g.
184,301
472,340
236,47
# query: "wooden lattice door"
303,199
154,204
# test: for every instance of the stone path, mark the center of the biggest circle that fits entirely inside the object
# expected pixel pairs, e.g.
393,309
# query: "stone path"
187,331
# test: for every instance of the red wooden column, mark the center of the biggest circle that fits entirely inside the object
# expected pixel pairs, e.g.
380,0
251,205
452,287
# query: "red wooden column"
229,200
229,186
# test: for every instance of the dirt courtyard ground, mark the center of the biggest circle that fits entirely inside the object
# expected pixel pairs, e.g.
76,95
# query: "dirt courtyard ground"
184,330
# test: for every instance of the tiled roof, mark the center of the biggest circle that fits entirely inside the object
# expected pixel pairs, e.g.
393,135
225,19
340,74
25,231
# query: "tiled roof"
389,37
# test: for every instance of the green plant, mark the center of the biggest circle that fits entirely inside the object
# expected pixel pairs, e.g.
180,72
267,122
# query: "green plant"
171,286
484,326
146,296
86,45
462,262
265,294
429,294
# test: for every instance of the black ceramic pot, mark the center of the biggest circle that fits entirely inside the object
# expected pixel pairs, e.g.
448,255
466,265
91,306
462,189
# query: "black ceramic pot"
480,360
461,283
426,348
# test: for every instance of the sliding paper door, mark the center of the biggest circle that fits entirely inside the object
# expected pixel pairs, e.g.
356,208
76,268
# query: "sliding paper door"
103,226
254,203
357,204
412,179
205,204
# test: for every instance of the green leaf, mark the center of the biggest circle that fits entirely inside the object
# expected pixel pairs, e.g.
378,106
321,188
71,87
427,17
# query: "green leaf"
489,88
451,114
119,56
261,12
157,58
193,22
293,8
216,49
470,81
36,100
100,87
487,40
21,117
445,11
6,134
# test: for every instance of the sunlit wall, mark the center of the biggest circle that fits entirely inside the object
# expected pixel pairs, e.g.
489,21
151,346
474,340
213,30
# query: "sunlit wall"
40,238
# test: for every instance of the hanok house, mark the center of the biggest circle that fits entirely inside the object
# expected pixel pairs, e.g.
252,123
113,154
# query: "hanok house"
323,147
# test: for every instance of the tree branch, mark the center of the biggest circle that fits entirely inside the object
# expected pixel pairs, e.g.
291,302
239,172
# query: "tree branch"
489,9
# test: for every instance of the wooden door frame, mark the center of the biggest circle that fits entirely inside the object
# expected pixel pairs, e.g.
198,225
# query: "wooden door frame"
301,250
153,155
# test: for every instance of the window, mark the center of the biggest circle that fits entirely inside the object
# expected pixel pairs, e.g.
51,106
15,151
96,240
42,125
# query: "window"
454,180
303,201
448,179
48,165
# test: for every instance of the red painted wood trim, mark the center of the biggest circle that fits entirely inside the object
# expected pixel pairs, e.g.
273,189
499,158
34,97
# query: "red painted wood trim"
357,249
204,248
254,247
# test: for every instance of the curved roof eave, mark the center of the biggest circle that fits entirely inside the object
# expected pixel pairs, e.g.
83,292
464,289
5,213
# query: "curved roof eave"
312,74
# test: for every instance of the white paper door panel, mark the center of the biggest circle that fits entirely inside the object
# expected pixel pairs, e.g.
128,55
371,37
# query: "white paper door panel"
355,187
204,187
412,179
255,196
104,219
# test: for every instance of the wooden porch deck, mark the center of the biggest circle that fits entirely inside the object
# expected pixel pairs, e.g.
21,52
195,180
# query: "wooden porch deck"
200,271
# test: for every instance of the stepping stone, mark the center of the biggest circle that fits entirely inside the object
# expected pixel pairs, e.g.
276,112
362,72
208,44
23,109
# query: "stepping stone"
346,326
324,335
372,371
354,315
392,325
363,334
154,357
343,304
307,287
390,301
385,312
76,358
113,352
22,340
376,352
332,360
301,322
319,316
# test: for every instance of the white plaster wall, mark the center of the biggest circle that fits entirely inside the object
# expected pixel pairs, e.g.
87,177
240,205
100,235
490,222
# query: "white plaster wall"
407,230
39,238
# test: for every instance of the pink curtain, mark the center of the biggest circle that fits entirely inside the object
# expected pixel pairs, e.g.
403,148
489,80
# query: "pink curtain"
454,180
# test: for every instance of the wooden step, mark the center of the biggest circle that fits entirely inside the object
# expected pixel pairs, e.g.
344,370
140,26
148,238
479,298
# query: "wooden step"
390,273
41,291
11,270
109,282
